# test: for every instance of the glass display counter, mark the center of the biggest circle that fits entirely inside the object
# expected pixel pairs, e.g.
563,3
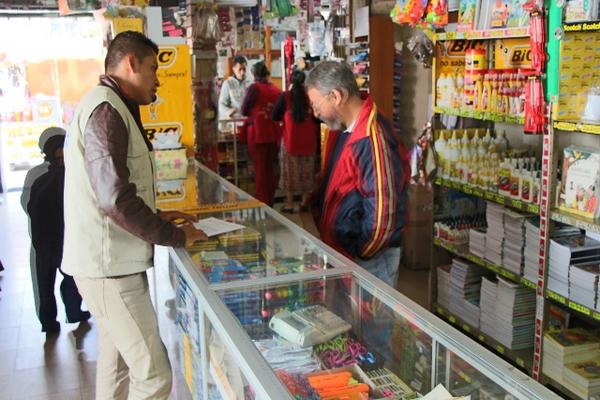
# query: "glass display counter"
270,312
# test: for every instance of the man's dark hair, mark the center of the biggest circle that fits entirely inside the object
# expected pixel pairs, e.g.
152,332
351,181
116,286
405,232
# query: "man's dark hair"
239,60
128,42
260,71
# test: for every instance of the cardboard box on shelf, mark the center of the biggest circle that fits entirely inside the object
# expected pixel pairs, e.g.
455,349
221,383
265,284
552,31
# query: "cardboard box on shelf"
418,233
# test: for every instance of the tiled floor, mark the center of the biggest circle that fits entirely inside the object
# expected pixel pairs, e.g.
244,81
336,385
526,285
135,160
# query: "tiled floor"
33,366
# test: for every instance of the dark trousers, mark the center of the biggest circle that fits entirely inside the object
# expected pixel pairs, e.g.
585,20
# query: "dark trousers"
264,158
46,267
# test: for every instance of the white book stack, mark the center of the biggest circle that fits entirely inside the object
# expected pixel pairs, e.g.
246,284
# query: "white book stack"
515,315
494,241
532,249
443,286
567,251
583,284
465,283
514,241
489,293
583,378
477,242
566,347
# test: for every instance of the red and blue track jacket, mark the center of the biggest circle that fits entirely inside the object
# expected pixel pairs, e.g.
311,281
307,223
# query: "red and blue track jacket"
363,192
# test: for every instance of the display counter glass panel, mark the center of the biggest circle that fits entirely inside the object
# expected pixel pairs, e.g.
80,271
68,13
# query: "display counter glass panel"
335,328
266,247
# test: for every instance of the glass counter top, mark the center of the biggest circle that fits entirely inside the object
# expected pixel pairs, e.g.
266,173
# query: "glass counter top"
268,246
200,190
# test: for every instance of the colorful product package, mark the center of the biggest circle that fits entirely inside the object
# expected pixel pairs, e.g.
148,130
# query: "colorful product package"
580,182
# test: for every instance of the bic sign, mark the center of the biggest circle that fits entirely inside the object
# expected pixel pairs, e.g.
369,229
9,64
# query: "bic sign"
167,57
512,53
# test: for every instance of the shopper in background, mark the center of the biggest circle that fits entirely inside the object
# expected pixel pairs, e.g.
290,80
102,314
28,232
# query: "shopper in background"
299,144
264,134
111,221
361,200
42,200
233,90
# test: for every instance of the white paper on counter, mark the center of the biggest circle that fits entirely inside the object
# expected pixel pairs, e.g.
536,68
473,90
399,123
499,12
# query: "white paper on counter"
440,393
214,226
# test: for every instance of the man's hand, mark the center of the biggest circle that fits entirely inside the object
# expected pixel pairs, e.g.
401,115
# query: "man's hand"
174,216
193,235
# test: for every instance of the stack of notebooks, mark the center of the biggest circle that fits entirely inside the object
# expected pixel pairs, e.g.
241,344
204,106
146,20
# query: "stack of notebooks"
532,244
567,347
477,242
443,286
568,251
489,293
532,249
515,315
494,241
465,286
514,242
583,378
583,284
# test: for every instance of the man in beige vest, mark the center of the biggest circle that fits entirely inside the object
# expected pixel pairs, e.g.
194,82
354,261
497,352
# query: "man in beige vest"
111,222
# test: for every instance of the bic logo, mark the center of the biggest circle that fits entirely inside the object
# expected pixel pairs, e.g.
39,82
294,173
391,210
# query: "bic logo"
152,130
167,57
520,56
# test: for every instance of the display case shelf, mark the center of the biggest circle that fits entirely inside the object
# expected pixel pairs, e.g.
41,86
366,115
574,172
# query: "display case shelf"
491,196
481,115
522,358
484,34
588,224
503,272
582,127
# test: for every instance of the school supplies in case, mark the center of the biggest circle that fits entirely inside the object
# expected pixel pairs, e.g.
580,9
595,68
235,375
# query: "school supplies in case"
308,326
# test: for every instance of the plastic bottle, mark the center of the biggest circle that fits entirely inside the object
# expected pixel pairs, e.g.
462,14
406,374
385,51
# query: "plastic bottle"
440,148
504,177
501,143
526,186
439,90
460,85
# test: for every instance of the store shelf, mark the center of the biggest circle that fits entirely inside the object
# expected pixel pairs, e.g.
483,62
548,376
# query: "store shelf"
481,115
590,225
552,384
592,26
577,127
484,34
462,252
257,52
572,305
522,358
491,196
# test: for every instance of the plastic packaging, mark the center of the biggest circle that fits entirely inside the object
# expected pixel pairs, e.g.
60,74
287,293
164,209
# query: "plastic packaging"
421,47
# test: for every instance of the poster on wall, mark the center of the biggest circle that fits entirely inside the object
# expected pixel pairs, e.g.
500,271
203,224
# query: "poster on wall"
171,113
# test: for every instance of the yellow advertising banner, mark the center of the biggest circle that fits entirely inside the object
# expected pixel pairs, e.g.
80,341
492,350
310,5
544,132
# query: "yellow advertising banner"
171,112
126,24
512,53
450,55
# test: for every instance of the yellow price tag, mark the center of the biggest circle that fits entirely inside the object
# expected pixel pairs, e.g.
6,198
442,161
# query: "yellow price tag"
466,377
451,35
481,338
489,196
478,192
452,319
595,129
467,190
466,328
520,362
579,307
516,203
500,349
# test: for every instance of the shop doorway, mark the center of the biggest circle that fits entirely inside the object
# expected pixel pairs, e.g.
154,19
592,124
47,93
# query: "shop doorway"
47,64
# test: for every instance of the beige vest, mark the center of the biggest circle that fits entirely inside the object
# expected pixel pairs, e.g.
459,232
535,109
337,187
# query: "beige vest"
96,247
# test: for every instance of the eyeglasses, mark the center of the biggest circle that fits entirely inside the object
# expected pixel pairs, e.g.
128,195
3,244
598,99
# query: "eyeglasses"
315,107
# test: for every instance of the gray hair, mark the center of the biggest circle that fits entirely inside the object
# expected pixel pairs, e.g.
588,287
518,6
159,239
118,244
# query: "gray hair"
332,75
